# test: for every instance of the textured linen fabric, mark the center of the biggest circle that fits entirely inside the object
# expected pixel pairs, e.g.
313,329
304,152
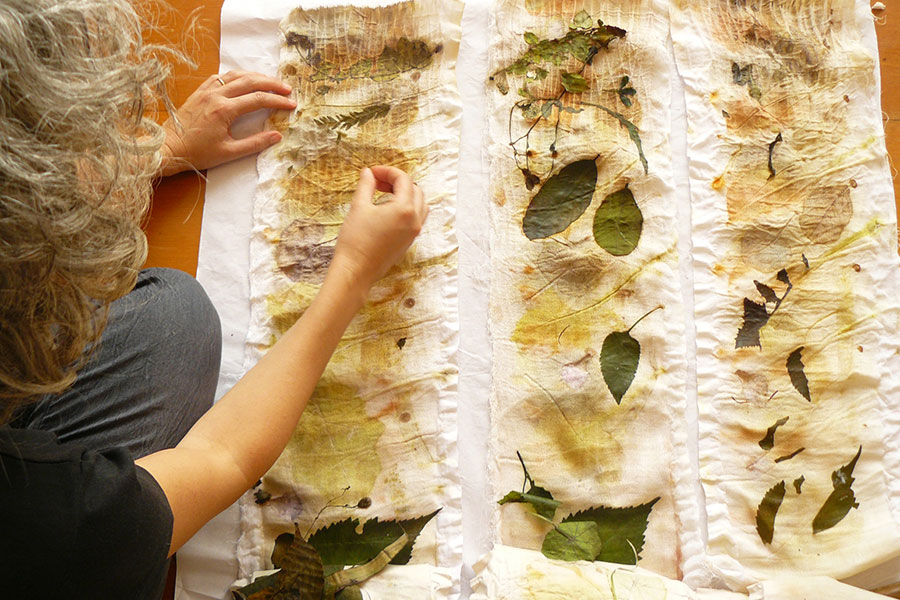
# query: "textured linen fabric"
374,86
794,241
554,301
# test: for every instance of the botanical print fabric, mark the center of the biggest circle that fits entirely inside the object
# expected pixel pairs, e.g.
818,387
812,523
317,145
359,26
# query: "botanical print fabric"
796,285
375,445
586,311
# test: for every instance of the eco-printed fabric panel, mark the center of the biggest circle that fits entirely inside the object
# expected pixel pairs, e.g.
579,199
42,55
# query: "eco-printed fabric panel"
796,285
374,86
586,316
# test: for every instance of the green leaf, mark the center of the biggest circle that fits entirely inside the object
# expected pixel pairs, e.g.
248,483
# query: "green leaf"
355,575
561,200
795,368
583,20
619,358
574,83
540,500
340,544
354,119
621,530
755,317
580,48
575,540
768,509
632,129
349,593
741,75
768,442
547,109
618,223
530,38
841,500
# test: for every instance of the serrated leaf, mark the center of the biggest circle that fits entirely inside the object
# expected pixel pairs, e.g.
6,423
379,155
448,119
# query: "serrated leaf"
530,38
574,83
575,540
540,500
561,200
619,359
768,442
354,119
795,368
340,544
621,530
755,317
583,20
841,500
766,512
766,292
618,223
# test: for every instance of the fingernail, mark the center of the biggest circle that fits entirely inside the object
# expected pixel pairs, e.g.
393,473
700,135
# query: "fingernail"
275,137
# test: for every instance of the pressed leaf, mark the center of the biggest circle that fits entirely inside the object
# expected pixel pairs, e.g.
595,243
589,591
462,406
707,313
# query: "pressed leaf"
561,200
583,20
619,358
632,129
405,55
621,530
574,83
356,575
354,119
547,109
340,544
772,171
768,442
766,292
768,509
798,483
349,593
826,213
790,456
782,276
755,317
795,368
530,38
618,223
540,500
841,500
571,541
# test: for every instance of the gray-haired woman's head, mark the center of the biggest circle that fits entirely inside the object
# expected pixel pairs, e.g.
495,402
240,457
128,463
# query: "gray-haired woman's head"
77,158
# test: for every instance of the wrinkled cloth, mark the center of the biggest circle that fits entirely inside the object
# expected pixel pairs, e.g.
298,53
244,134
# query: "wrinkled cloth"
373,86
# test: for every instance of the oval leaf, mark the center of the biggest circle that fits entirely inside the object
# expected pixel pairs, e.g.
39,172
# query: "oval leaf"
578,540
574,83
561,200
618,223
841,500
619,360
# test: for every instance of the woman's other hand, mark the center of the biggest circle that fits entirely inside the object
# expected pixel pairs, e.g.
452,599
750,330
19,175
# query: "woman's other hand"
203,139
375,237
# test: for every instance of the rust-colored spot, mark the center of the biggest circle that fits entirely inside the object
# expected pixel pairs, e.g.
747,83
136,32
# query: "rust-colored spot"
860,348
405,417
846,98
528,270
718,183
409,303
857,268
853,183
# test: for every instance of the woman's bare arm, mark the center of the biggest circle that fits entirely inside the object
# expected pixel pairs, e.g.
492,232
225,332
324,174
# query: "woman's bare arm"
238,440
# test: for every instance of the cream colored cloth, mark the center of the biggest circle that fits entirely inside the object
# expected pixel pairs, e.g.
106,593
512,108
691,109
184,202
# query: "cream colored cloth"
555,300
374,86
794,240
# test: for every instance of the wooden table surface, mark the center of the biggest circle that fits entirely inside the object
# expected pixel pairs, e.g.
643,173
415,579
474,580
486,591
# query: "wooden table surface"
174,226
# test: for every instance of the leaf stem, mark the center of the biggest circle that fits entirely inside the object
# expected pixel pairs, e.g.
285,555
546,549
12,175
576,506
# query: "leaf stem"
644,317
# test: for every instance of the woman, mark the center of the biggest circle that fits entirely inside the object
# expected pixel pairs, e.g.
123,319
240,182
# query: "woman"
110,457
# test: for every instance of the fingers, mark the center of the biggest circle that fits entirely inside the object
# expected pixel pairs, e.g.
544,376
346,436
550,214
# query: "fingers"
252,144
365,190
247,83
400,183
260,100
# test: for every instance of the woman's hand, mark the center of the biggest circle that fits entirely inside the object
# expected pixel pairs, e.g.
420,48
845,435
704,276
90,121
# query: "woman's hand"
203,139
375,237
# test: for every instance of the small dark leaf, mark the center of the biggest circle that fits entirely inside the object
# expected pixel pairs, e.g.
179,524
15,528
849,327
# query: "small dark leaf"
783,277
261,496
768,509
790,456
621,530
531,180
562,199
841,500
624,82
795,368
741,75
401,343
798,483
530,38
618,223
766,292
619,358
574,83
772,171
571,541
547,110
768,442
755,317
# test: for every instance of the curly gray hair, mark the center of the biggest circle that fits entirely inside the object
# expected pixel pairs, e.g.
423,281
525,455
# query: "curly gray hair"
78,154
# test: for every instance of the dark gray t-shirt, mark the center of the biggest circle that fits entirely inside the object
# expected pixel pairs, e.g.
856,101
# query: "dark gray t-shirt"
75,523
